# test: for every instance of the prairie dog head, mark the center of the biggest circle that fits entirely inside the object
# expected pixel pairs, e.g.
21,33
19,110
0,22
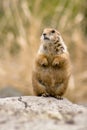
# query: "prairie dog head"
50,35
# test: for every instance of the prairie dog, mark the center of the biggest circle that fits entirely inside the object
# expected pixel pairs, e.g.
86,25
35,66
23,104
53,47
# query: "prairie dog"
52,66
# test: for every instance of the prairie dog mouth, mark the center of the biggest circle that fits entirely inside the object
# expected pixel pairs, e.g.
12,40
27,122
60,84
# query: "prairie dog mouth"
46,38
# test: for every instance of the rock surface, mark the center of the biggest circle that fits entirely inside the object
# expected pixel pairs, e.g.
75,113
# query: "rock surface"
41,113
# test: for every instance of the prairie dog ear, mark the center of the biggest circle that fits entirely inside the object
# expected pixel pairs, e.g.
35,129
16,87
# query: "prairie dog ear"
58,33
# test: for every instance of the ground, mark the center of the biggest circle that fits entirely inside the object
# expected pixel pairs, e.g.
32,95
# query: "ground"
40,113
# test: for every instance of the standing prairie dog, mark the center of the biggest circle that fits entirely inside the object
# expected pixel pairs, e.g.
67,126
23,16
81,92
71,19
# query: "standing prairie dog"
52,66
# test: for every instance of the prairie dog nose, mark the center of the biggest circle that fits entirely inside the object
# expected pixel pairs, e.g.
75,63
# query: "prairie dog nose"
44,34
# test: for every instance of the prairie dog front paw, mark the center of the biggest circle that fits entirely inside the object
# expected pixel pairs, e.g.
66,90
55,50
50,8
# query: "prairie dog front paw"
55,62
42,60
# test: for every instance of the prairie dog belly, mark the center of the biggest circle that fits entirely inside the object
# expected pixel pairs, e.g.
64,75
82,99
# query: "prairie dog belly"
51,78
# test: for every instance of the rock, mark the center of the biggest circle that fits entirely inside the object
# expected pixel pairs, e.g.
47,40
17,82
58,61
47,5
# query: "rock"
41,113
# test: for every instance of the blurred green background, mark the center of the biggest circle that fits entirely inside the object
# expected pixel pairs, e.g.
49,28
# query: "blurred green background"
21,24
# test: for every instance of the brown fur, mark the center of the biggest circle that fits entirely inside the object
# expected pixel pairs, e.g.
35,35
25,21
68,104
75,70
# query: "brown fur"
52,67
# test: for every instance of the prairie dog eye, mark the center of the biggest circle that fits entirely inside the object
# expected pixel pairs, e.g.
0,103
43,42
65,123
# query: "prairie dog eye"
53,31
